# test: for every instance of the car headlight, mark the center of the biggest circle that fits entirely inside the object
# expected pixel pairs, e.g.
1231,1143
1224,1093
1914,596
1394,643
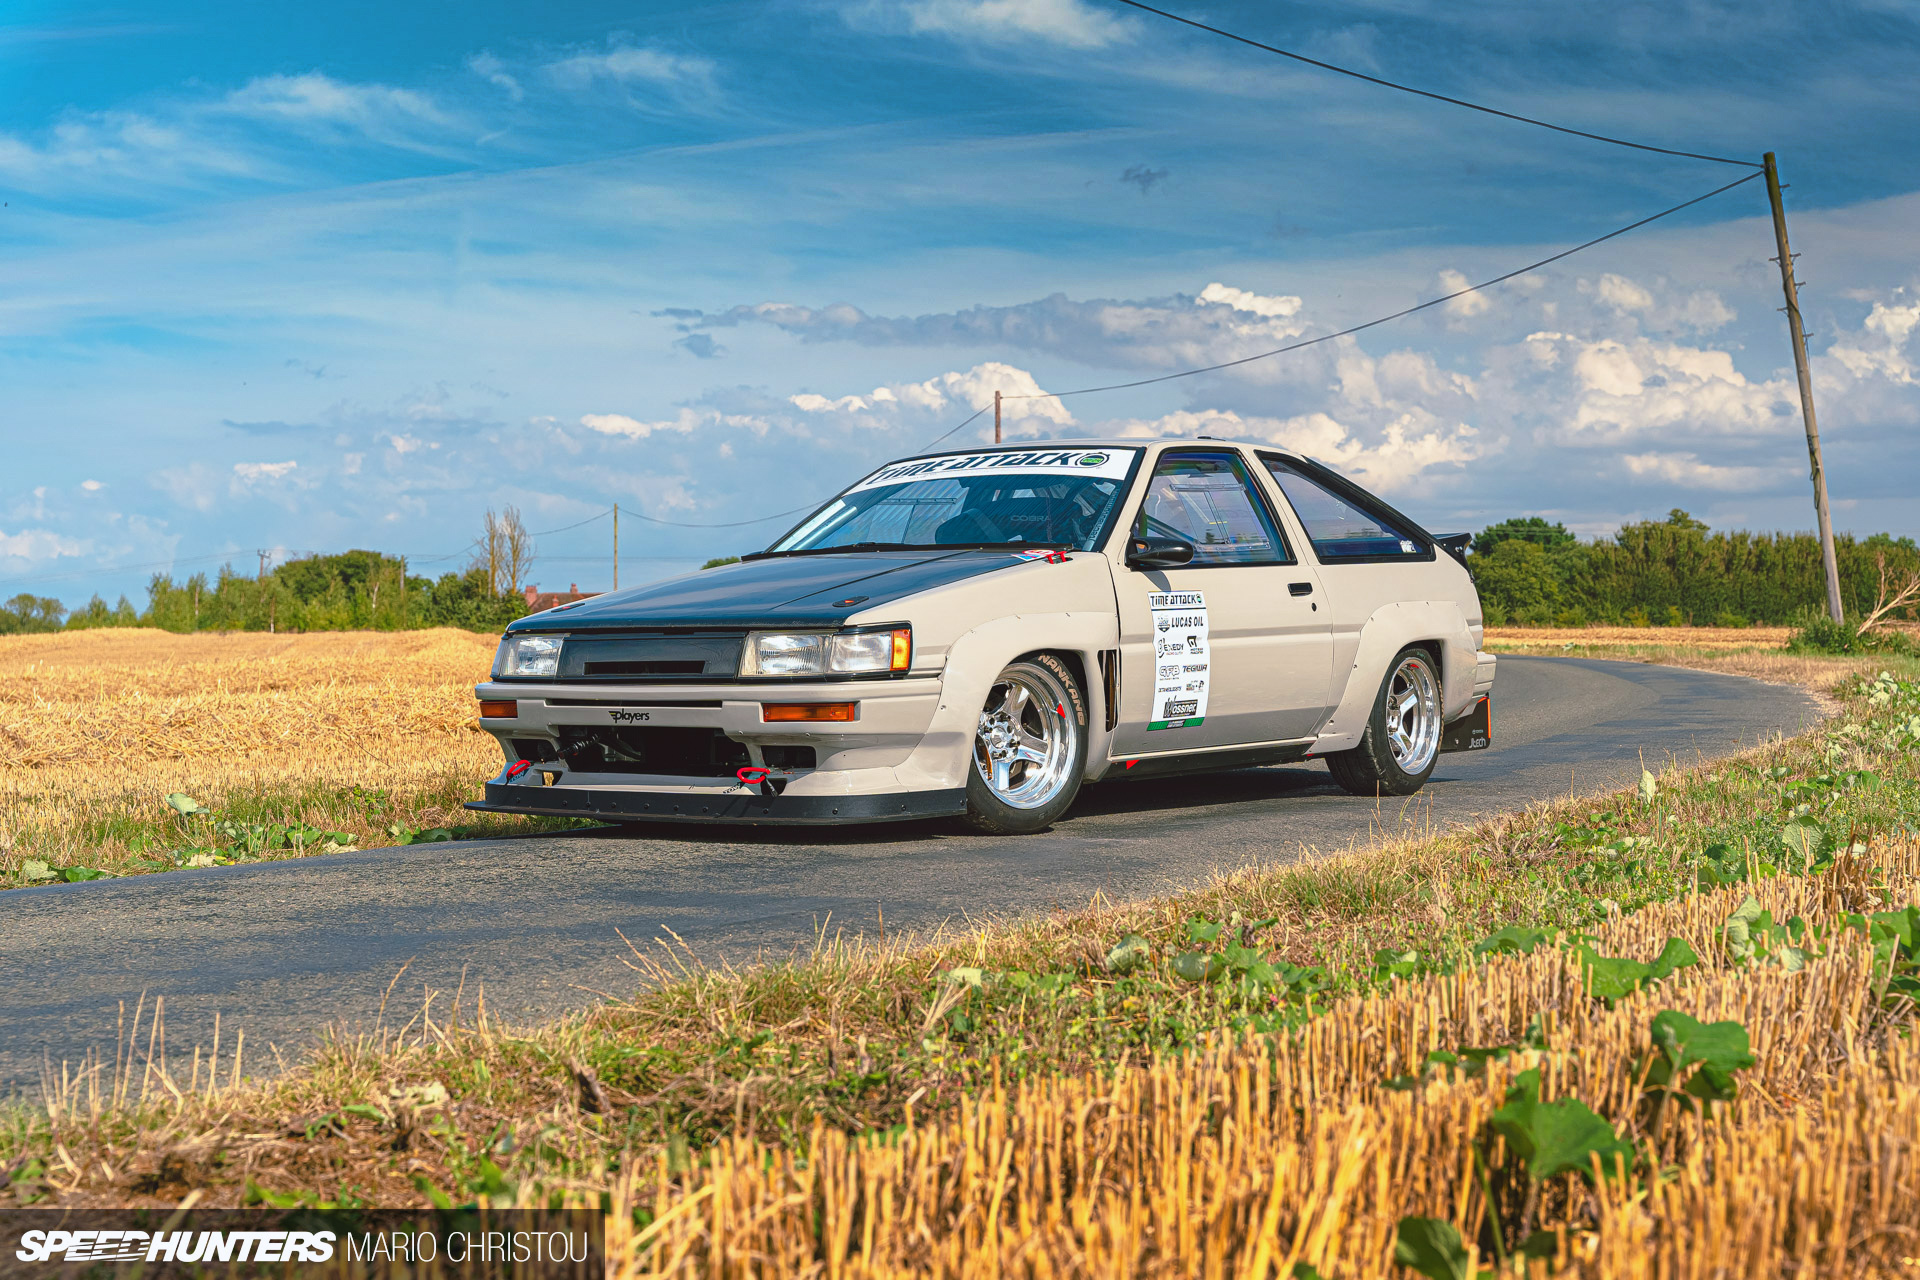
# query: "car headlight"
779,653
528,656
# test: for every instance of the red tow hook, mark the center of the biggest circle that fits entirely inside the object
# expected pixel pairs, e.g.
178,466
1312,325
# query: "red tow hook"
755,776
517,768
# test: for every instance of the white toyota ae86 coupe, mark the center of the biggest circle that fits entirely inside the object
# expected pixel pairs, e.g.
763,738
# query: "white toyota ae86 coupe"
976,634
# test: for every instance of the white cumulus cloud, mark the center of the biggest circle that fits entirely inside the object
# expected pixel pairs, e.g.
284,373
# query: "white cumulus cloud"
39,545
1467,305
1241,300
1687,469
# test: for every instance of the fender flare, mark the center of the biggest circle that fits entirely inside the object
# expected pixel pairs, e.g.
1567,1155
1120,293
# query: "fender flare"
945,751
1392,628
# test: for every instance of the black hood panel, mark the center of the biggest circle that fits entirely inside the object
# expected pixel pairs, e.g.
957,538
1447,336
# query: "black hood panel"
781,591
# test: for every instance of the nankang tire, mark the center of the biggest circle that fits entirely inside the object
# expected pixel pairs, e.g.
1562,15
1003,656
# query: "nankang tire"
1397,752
1029,749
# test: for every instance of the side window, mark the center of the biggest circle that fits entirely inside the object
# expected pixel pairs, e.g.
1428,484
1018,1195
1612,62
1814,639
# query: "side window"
1208,500
1339,528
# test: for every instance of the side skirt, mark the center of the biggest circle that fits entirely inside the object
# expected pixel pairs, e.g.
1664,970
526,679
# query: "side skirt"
1204,762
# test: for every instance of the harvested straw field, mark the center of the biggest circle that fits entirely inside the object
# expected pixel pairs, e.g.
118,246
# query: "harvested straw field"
1708,639
349,733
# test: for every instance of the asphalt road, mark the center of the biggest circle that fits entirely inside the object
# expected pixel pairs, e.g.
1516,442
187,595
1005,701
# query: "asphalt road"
285,948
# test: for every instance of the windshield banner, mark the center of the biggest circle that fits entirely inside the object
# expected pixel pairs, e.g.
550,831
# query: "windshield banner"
1104,463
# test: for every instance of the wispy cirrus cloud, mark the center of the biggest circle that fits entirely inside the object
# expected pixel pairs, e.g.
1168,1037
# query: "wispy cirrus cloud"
1073,23
1217,323
644,78
315,103
244,134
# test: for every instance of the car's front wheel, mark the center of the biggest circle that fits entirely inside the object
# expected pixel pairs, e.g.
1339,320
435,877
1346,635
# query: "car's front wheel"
1030,750
1397,752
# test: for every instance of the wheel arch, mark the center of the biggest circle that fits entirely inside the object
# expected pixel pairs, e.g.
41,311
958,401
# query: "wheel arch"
978,656
1393,628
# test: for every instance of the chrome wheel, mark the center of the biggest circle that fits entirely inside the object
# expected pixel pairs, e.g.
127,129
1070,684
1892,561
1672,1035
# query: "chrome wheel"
1026,744
1413,714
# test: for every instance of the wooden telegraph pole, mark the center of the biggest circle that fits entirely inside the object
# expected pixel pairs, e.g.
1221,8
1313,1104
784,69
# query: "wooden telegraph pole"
996,417
1791,288
616,546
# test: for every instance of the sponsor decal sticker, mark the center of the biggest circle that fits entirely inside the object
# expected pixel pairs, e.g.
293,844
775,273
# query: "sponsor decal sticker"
1183,658
619,716
1108,463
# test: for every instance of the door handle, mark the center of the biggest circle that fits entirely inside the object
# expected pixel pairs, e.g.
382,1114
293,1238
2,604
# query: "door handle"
1299,588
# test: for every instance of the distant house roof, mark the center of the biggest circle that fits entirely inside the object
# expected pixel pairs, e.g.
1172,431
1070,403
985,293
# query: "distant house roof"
539,601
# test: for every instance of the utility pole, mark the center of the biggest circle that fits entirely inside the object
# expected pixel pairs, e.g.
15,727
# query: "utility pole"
261,579
616,546
1791,288
996,417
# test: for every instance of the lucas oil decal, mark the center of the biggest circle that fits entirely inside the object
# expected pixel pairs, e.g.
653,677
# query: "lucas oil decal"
1181,658
1109,464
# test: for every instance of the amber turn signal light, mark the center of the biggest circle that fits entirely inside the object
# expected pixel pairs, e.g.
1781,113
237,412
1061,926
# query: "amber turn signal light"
902,650
777,711
499,710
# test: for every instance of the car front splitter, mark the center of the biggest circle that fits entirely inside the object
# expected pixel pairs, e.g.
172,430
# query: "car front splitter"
746,808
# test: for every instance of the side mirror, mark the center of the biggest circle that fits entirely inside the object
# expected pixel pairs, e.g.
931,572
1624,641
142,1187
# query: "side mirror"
1158,553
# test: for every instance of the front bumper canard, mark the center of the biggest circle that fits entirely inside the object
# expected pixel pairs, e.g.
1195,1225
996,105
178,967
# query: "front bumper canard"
744,807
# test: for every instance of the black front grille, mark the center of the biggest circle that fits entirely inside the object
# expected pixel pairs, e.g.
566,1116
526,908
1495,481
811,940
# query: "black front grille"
692,668
673,752
714,655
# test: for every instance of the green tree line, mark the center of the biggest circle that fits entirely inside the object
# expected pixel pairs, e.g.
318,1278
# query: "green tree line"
356,590
1530,572
1673,572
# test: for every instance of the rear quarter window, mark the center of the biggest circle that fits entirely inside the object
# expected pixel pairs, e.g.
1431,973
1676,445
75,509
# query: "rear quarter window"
1345,526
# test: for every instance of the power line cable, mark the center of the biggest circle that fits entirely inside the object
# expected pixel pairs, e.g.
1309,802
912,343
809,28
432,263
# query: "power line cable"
563,528
1418,306
944,434
1437,97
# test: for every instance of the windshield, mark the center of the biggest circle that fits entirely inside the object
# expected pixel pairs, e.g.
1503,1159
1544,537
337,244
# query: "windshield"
1052,496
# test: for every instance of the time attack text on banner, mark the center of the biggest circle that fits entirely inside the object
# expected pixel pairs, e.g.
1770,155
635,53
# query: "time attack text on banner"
1106,463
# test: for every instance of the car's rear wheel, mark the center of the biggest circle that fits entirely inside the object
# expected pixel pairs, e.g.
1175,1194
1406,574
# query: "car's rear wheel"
1402,740
1030,750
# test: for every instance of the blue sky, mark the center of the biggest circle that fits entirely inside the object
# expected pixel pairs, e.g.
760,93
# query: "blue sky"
349,274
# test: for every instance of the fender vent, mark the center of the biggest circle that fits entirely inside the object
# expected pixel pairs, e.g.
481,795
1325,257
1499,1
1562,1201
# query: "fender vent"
1110,685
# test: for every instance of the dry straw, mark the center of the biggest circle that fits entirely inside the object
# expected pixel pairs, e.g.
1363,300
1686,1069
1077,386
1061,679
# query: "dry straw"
1250,1157
99,725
